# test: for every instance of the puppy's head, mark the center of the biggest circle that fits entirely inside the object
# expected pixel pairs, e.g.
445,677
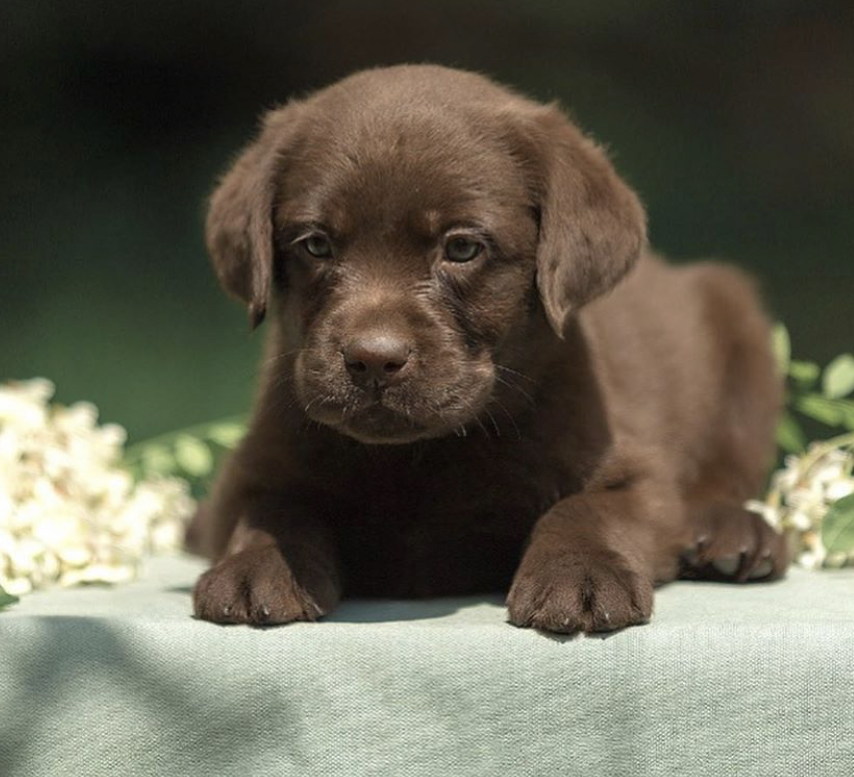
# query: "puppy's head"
408,221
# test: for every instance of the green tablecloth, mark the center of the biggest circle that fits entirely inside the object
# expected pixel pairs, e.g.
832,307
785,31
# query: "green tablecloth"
726,680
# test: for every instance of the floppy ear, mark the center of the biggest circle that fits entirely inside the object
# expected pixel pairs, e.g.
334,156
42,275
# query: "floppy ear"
592,226
239,227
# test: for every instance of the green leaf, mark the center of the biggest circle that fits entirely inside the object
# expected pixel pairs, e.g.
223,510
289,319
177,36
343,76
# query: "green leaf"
157,460
6,599
838,378
833,412
827,411
193,456
804,373
846,407
837,529
782,346
789,435
226,434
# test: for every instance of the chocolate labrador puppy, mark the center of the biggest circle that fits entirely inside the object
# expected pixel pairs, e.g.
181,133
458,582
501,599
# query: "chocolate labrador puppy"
477,377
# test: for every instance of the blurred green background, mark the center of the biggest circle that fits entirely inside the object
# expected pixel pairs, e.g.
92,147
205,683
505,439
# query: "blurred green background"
734,121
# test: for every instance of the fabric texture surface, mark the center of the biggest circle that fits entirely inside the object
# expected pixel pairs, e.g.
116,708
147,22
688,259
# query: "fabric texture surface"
726,680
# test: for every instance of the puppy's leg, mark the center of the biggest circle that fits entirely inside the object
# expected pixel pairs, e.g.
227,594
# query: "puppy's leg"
278,571
198,538
729,543
733,544
594,558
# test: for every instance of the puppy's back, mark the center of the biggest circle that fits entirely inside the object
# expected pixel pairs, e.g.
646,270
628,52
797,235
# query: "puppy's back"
669,343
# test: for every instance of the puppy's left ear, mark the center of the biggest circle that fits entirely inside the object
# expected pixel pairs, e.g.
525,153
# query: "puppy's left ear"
592,225
239,227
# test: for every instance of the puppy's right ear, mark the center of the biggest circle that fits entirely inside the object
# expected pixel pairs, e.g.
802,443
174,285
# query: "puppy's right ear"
239,227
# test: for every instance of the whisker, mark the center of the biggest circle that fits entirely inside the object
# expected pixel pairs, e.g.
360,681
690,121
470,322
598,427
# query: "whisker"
510,416
482,427
311,402
281,356
494,423
513,386
516,372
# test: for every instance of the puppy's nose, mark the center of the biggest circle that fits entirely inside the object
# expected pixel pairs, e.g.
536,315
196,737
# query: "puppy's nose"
376,359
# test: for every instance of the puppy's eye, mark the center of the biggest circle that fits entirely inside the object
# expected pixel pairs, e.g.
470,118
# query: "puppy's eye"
462,249
317,245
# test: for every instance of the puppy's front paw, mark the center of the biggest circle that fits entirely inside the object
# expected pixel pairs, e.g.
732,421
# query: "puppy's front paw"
257,587
734,544
577,592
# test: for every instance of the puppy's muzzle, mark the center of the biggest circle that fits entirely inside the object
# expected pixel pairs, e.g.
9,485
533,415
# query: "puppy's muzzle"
376,360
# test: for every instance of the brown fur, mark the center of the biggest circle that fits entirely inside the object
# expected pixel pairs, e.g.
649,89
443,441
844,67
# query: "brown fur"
541,437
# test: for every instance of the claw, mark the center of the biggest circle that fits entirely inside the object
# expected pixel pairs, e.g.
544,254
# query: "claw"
765,568
728,566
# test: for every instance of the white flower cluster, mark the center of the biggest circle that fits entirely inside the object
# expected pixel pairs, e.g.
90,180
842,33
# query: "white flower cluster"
69,512
800,497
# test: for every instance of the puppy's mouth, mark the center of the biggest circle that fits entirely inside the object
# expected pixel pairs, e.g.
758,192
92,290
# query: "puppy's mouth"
394,414
377,420
378,423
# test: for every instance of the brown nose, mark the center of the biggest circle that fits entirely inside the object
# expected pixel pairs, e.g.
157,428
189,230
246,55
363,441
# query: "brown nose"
376,359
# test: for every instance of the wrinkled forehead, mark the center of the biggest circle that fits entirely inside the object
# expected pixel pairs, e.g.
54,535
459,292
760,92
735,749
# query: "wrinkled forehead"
432,167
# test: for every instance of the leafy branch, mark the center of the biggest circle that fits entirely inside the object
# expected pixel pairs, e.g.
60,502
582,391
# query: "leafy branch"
820,395
6,598
191,453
